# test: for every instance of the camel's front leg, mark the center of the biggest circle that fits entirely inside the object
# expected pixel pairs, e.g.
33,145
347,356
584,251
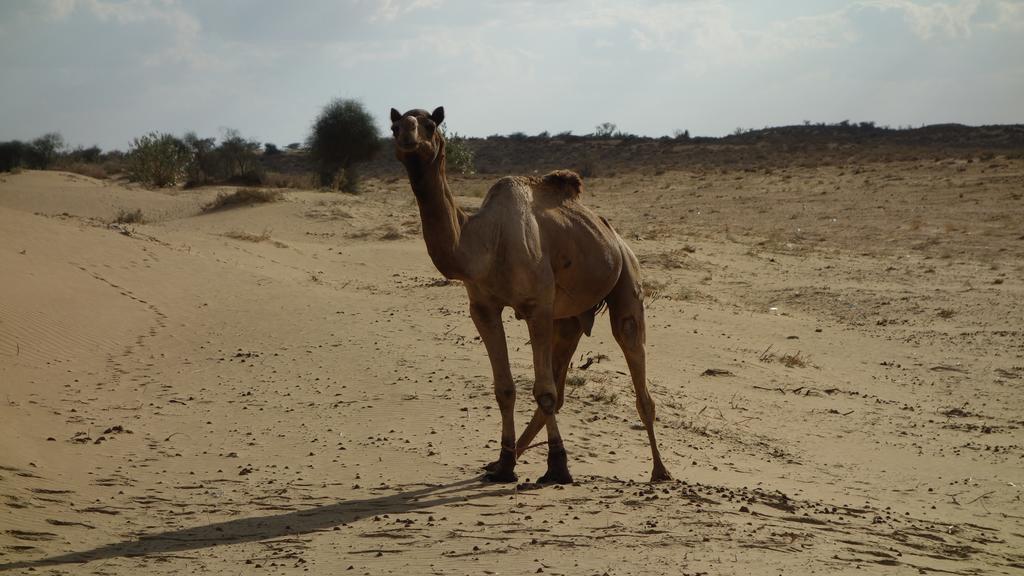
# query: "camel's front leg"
541,326
488,322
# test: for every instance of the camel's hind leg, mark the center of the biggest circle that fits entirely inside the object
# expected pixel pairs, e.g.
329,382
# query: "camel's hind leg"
566,337
626,309
542,339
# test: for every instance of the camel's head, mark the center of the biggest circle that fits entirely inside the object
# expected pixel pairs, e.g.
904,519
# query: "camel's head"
417,134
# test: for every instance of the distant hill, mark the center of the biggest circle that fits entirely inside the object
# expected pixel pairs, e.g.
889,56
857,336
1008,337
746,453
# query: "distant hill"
804,145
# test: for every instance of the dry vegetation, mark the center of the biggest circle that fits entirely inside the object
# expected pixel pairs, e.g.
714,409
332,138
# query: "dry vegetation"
248,236
243,197
129,216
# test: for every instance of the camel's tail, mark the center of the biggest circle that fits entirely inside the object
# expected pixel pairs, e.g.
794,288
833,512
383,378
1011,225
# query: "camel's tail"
566,183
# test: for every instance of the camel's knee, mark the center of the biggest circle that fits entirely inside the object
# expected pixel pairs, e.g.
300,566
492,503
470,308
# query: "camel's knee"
645,406
627,331
546,396
505,393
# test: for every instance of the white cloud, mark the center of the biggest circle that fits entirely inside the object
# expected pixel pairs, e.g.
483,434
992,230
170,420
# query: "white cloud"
184,27
59,9
710,34
1010,14
929,20
388,10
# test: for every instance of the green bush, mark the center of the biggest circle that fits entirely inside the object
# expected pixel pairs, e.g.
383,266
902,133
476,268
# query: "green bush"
342,135
458,154
202,165
236,160
239,158
158,160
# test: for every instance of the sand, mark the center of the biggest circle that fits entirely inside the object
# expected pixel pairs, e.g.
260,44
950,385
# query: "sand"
837,356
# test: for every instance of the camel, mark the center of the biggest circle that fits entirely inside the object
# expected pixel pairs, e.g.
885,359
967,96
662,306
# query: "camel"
532,246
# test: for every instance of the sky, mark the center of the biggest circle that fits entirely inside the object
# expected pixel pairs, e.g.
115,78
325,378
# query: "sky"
104,71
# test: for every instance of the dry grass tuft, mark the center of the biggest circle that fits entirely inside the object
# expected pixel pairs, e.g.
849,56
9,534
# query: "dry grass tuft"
248,236
243,197
129,217
604,395
574,382
299,181
653,290
328,211
96,171
392,233
793,360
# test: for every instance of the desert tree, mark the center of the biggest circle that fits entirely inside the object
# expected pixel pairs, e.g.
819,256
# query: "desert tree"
343,134
158,160
605,130
12,155
44,150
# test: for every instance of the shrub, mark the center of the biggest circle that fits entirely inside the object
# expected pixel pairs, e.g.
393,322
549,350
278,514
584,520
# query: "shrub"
239,157
236,160
248,236
158,159
587,167
302,180
242,197
342,135
458,154
271,149
96,171
605,130
44,150
129,217
202,165
114,162
12,155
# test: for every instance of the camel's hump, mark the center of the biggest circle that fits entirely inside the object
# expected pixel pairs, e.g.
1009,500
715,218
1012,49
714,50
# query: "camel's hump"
564,183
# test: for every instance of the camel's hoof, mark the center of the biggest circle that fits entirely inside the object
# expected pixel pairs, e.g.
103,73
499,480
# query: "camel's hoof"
556,477
501,476
558,466
503,469
660,475
547,403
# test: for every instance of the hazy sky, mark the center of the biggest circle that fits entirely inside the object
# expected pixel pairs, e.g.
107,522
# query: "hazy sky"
105,71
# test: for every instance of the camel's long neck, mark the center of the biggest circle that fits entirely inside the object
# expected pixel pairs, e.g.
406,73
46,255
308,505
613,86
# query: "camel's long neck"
441,216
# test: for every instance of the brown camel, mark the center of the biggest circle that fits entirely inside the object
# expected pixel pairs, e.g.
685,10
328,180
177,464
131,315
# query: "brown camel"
535,247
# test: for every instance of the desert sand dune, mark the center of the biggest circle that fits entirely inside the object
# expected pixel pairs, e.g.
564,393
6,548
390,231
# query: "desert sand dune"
836,353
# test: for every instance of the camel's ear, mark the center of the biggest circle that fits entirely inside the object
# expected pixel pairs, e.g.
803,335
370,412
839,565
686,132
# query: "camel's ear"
395,115
437,115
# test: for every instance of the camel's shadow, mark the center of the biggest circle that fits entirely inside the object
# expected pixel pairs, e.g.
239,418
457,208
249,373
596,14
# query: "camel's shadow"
266,527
